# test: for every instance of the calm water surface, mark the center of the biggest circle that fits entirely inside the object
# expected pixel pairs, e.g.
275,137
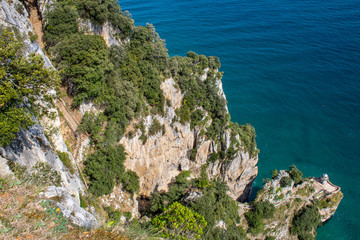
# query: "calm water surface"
292,70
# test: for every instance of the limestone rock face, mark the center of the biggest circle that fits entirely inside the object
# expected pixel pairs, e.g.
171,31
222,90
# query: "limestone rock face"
164,156
105,30
70,207
4,169
9,17
289,200
239,175
31,146
122,201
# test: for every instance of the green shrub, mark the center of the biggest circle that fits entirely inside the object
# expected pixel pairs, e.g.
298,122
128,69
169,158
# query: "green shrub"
247,137
127,215
108,10
196,117
33,37
232,232
213,157
260,211
65,158
84,60
168,102
143,138
114,215
295,174
203,181
179,222
130,181
305,221
60,23
274,173
92,124
23,80
285,182
222,207
193,154
155,127
103,167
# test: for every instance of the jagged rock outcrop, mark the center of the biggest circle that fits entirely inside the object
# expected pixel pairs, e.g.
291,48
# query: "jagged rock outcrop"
105,30
122,201
70,207
10,17
289,199
165,155
4,169
31,146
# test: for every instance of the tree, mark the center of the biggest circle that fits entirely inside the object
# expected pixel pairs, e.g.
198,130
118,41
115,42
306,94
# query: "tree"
24,87
295,174
261,210
274,173
130,181
84,60
179,222
306,221
103,167
285,182
222,206
60,22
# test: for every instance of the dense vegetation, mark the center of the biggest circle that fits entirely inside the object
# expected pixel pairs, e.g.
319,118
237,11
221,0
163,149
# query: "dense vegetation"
260,211
23,81
210,195
179,222
105,167
305,222
125,81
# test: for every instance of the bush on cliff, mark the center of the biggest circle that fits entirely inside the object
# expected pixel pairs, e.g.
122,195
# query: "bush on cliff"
216,205
179,222
60,23
260,211
105,168
295,174
23,81
285,182
106,10
305,222
84,61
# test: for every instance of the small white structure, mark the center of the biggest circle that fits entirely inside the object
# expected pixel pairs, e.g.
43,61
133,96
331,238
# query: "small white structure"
324,178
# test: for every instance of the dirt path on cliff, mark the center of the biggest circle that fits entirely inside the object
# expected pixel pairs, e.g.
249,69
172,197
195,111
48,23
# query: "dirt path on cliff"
35,21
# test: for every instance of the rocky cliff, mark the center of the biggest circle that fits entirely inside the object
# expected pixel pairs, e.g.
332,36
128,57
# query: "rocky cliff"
292,202
158,161
43,141
157,157
167,153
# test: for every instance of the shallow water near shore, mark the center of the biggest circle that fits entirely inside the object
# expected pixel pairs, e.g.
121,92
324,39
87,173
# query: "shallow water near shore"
292,70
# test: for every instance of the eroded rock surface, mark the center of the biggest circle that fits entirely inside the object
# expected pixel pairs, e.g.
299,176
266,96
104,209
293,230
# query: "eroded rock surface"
164,156
70,207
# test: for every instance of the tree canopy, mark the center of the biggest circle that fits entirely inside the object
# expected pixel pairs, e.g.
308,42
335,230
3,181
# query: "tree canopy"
24,87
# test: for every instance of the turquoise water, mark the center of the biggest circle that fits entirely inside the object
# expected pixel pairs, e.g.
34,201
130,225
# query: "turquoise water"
292,70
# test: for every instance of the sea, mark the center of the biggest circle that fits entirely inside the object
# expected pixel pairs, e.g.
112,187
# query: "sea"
292,70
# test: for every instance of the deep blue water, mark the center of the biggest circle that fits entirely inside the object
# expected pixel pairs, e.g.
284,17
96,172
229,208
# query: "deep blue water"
292,70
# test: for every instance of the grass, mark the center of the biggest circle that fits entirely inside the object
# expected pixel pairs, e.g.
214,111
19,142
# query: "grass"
65,158
23,215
